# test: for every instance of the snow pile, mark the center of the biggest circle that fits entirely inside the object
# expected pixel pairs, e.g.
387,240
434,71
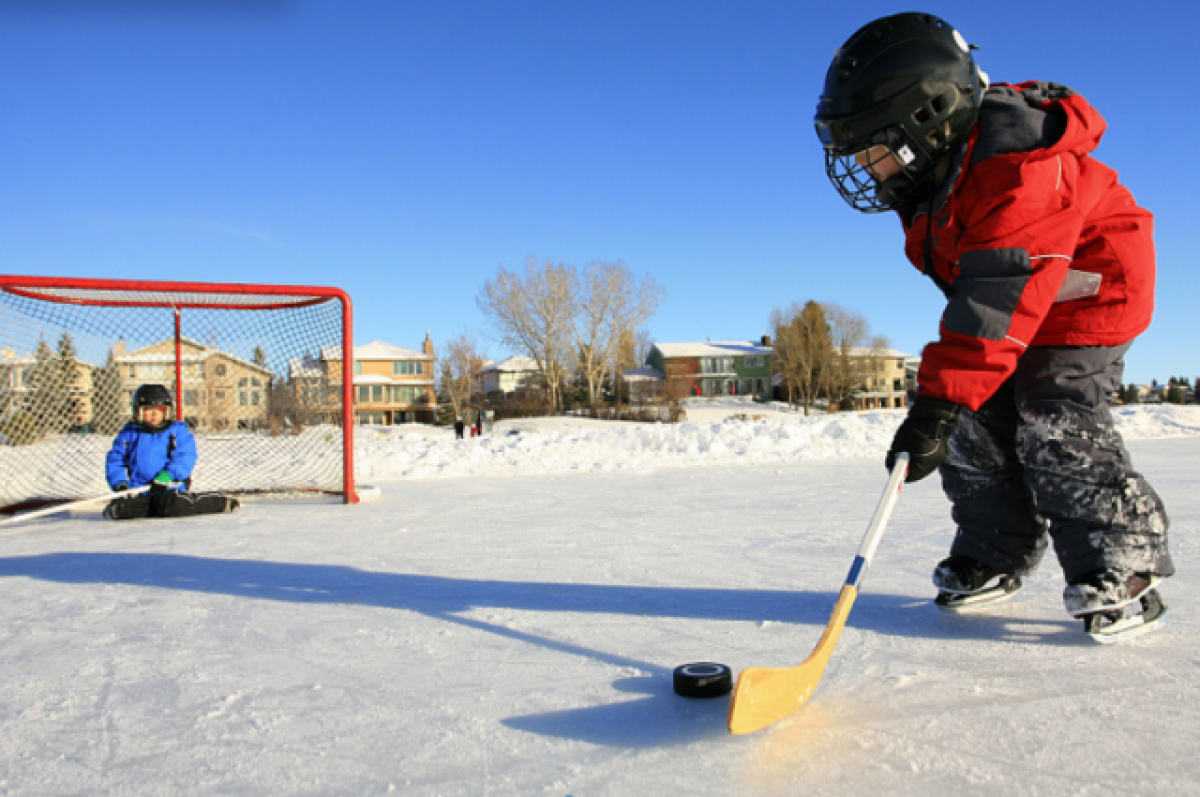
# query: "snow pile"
730,433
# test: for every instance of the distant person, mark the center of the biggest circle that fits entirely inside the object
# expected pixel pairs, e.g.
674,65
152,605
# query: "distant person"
154,450
1047,263
459,427
479,424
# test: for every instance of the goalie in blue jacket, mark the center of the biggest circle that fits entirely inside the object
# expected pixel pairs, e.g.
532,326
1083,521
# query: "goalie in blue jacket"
155,450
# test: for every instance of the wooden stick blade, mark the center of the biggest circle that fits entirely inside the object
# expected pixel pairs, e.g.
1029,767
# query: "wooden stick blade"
765,695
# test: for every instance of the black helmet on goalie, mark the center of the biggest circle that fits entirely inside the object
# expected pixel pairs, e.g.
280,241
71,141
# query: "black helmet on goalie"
153,396
903,87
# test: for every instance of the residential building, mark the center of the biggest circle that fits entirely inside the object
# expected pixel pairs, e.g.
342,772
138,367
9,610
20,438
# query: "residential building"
394,385
218,392
885,377
17,388
722,368
510,376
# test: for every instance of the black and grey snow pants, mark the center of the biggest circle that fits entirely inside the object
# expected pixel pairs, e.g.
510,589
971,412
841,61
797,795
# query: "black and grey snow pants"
1042,457
167,503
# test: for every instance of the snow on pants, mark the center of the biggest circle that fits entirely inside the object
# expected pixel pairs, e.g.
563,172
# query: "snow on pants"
1042,457
167,503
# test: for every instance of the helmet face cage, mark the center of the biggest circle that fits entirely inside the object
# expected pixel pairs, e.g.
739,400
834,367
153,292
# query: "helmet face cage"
856,183
153,397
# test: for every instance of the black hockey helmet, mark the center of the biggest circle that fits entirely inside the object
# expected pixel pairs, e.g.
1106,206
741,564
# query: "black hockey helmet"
153,396
907,83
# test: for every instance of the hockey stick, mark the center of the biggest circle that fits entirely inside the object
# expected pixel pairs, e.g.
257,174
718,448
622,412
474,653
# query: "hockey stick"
73,505
765,695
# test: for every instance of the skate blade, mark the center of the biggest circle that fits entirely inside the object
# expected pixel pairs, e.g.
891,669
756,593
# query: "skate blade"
1135,625
1128,632
956,604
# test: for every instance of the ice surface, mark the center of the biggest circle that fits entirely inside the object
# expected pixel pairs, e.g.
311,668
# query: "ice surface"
505,618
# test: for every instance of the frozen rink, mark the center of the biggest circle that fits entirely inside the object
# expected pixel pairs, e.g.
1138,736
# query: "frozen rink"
506,622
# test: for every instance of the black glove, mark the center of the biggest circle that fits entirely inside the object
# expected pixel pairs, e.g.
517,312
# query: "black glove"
924,436
120,487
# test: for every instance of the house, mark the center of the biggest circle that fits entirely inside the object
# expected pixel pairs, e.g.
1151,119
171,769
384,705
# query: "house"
18,379
218,392
504,378
394,385
724,368
885,376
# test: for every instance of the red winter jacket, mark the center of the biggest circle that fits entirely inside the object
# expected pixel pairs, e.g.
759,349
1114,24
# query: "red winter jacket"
1035,241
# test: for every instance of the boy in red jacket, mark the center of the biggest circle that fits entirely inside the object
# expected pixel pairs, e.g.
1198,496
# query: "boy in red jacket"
1048,267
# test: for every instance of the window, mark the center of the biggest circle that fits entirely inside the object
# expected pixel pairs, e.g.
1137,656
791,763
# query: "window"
255,382
219,370
406,369
755,360
406,394
243,382
242,400
191,398
132,372
716,365
357,368
254,398
219,395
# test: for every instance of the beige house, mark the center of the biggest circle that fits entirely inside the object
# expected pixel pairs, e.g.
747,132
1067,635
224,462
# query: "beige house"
394,385
885,378
17,389
219,391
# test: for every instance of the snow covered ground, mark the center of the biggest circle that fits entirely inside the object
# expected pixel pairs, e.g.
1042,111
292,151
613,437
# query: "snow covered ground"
504,620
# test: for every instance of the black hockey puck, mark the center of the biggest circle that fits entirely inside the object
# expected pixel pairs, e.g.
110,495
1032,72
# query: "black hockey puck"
703,679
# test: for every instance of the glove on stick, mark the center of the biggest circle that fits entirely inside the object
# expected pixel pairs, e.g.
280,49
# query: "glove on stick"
924,436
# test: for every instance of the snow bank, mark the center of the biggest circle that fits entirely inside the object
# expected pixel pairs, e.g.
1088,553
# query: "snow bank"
720,433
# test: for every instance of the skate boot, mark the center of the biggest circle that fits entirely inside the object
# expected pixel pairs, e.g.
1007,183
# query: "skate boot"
113,511
232,504
964,584
1114,605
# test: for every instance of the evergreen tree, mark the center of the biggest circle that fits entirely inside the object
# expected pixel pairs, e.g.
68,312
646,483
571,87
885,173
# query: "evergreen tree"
68,369
43,389
108,414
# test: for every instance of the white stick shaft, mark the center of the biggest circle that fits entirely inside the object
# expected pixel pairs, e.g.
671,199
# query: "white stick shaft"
883,513
73,505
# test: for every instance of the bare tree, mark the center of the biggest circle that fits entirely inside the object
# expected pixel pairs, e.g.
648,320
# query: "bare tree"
848,331
458,366
533,314
610,304
803,351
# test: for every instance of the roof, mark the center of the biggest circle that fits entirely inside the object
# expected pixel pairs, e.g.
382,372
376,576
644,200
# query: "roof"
729,348
378,350
305,368
513,364
867,351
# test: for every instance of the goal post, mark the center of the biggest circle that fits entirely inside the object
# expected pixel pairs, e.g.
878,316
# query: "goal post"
262,374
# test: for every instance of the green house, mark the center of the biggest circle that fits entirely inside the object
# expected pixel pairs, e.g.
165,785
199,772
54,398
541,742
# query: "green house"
714,368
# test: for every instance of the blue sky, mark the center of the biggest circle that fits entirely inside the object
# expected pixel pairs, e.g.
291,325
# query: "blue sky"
405,150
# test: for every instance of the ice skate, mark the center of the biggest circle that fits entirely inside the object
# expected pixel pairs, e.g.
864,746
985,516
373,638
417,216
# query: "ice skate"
966,584
1116,606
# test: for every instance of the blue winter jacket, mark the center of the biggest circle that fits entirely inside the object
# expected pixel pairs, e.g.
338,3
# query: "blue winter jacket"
137,456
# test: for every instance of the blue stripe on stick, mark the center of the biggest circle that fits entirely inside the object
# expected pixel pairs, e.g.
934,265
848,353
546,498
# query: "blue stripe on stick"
856,571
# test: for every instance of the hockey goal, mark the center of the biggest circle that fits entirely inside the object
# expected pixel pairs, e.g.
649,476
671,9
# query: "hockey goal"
259,372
